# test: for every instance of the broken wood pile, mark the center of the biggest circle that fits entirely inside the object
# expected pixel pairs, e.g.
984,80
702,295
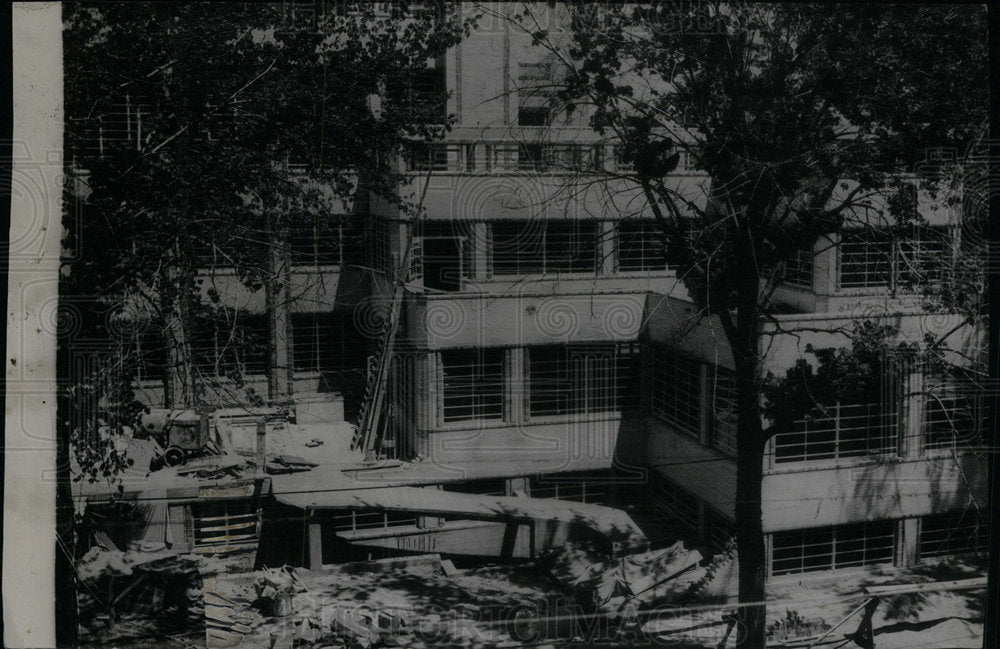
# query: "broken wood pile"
279,464
408,601
608,585
130,595
235,606
793,626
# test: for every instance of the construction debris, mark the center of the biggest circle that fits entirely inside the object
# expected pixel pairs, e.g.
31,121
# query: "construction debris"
211,464
599,584
449,568
281,464
403,601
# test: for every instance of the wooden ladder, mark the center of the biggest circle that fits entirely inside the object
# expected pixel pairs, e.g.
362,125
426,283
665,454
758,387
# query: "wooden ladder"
366,436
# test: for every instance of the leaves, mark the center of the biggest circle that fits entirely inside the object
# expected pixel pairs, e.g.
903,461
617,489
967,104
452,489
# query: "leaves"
204,131
776,103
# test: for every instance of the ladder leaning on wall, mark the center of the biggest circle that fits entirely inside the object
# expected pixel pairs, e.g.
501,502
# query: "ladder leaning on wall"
369,436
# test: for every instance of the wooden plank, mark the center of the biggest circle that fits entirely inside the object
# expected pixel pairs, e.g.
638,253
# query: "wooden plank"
212,463
935,586
226,539
295,460
224,528
202,519
223,549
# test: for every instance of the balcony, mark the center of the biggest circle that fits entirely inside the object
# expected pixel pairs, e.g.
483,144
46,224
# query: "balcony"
838,432
532,317
528,172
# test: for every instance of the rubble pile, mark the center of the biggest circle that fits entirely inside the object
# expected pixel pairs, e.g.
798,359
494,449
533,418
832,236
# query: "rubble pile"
606,585
409,601
138,594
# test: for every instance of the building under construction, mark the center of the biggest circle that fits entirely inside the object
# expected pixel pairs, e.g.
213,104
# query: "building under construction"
522,334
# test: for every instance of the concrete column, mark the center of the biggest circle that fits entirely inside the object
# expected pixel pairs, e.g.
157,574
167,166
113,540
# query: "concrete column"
516,385
423,404
397,243
480,250
825,265
432,416
606,248
315,544
911,425
909,535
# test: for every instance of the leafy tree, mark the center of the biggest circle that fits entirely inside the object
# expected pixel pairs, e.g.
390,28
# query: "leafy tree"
184,118
185,122
802,117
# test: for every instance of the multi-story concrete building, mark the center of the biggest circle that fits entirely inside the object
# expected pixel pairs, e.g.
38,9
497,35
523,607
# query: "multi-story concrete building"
546,346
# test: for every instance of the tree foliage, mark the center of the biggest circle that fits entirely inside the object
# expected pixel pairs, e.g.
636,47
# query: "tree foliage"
806,119
228,93
200,134
800,115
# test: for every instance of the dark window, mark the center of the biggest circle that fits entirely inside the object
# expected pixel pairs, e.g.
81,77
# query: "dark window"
444,254
832,548
152,352
317,243
533,115
571,487
319,342
433,156
640,246
379,244
955,415
676,390
865,259
572,379
674,502
538,84
473,384
799,270
628,377
723,389
531,157
924,257
231,344
530,247
877,259
428,95
963,532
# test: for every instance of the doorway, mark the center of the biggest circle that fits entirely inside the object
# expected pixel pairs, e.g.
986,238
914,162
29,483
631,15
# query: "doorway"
443,263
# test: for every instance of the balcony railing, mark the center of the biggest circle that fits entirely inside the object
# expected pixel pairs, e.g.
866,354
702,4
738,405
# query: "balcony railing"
839,431
955,421
516,156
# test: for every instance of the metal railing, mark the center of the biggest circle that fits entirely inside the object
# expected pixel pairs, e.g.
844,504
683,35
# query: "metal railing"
512,155
839,431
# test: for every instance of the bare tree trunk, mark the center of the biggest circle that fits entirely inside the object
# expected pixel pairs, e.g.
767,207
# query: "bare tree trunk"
749,466
180,383
277,293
